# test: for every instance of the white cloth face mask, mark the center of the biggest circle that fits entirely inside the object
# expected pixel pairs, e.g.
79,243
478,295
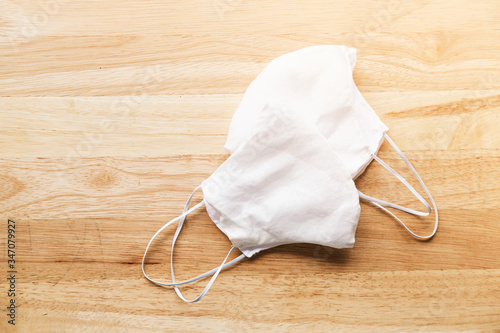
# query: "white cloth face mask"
284,184
318,81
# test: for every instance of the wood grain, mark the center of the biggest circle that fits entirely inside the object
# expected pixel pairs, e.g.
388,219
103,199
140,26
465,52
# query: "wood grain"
112,112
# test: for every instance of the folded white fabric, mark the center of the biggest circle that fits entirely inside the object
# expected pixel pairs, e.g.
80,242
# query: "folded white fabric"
299,138
318,82
283,185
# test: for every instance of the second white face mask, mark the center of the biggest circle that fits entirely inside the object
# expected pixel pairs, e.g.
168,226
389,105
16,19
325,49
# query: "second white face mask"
318,81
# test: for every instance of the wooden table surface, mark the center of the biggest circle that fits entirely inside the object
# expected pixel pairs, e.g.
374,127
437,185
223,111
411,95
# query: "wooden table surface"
112,112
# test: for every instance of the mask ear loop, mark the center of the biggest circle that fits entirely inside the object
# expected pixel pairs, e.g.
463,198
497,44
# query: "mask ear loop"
215,272
380,203
393,205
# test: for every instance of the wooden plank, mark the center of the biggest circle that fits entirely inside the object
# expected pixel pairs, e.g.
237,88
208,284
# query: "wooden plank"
93,296
96,49
77,127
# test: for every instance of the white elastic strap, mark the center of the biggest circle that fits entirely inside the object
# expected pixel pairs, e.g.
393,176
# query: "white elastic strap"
213,271
380,203
393,205
216,270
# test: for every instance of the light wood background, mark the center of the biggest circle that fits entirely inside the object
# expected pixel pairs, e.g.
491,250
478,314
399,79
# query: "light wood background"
113,111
